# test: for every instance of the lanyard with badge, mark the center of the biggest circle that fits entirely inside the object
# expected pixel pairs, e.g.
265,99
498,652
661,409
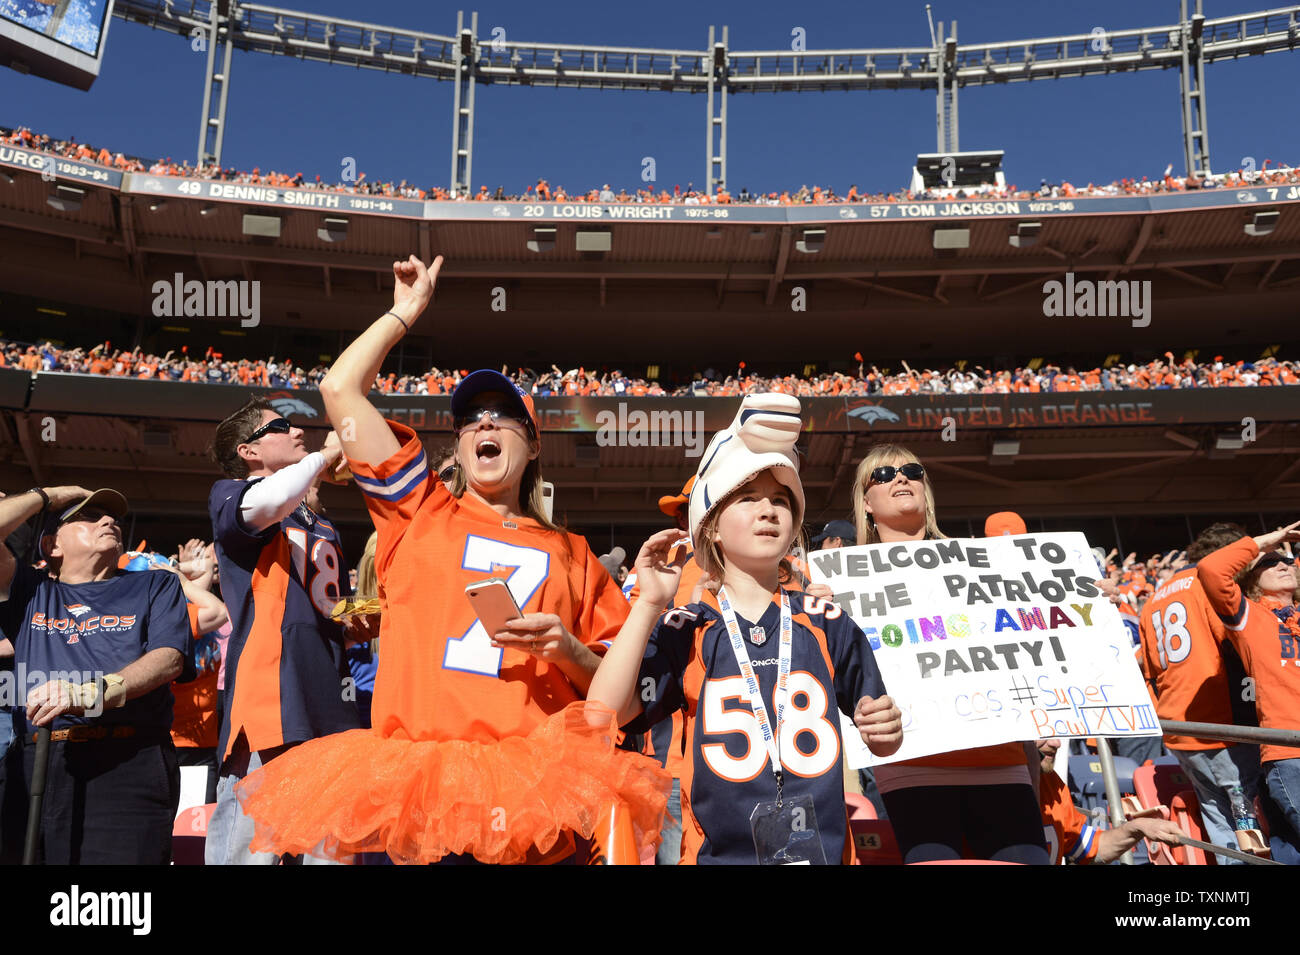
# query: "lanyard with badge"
785,832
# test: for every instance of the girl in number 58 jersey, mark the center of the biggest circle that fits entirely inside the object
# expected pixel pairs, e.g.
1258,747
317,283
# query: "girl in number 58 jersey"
760,672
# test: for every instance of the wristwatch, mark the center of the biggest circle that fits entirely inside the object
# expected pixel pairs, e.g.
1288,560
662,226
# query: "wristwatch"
45,498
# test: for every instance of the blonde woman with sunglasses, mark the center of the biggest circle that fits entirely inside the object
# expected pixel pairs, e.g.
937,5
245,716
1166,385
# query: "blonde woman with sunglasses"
981,800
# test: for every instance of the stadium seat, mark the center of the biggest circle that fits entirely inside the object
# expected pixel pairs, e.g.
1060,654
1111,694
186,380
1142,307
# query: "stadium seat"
1158,784
874,842
1185,809
189,834
1124,769
964,862
1167,760
860,807
1086,782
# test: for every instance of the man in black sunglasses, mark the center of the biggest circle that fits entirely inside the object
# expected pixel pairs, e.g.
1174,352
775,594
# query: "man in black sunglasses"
282,571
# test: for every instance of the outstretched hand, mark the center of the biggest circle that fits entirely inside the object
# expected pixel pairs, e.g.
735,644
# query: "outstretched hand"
657,576
413,286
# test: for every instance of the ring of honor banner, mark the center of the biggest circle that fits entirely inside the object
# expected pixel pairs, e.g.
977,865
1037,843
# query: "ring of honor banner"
990,640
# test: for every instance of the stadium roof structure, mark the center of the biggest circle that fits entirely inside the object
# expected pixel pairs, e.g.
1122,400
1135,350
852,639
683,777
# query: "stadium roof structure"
716,70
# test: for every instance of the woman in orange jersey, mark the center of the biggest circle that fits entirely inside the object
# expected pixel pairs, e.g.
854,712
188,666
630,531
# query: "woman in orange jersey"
475,749
1263,623
981,797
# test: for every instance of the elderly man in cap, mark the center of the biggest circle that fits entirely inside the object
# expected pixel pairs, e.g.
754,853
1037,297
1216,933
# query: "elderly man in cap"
99,647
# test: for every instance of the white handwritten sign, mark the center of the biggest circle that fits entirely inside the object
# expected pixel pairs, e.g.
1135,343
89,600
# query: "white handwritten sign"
990,640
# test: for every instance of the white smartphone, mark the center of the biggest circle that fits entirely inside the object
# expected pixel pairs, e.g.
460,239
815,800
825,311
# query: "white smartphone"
548,500
493,603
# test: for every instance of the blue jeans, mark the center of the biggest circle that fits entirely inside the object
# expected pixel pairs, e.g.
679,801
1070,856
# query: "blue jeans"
1212,773
670,850
1282,780
230,831
7,734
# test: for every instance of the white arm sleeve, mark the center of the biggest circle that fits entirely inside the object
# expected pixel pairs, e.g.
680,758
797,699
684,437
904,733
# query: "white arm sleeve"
273,498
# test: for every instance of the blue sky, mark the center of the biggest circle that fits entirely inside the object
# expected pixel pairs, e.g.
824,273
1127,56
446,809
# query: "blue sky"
293,116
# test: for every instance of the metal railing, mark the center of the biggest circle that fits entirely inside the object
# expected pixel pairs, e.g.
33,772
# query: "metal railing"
1217,731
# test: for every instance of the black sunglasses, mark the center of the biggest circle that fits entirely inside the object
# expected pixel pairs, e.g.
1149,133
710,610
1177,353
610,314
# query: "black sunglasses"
92,514
447,473
497,415
274,426
887,472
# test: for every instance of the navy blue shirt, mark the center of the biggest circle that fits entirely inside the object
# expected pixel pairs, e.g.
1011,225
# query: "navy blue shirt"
727,772
79,632
285,668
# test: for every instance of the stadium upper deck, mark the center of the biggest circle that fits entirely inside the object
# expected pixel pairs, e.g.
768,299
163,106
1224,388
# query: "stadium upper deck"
922,279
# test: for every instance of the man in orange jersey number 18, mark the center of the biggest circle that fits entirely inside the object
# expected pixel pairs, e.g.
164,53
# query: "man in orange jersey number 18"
1188,660
281,574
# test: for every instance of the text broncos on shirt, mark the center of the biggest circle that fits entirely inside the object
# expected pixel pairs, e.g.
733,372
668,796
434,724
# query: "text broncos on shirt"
116,623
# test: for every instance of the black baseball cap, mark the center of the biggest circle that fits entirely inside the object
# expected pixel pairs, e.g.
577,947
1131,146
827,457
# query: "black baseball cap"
841,529
1271,558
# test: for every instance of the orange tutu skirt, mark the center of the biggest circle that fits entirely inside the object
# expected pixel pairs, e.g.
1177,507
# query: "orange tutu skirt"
419,801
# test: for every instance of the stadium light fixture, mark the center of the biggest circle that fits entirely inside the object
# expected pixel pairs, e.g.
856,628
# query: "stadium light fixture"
543,239
950,51
1003,452
1026,234
6,177
261,226
1263,223
719,56
593,240
1198,27
811,241
66,198
209,210
1225,446
466,44
952,238
157,205
335,229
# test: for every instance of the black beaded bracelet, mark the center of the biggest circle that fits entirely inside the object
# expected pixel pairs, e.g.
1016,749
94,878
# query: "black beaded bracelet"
44,497
399,318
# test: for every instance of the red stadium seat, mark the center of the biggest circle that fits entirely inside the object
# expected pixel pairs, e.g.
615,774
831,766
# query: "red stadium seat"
1185,809
964,862
874,842
860,807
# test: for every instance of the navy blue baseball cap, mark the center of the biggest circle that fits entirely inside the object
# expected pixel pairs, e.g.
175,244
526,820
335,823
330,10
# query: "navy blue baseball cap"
841,529
484,380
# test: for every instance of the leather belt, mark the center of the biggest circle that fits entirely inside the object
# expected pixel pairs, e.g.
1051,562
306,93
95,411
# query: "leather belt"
83,734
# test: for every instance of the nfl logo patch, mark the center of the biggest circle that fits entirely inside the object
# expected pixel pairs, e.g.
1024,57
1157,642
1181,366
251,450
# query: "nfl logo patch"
757,636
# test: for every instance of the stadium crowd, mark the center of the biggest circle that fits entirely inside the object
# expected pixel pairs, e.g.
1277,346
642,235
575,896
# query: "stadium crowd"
543,191
215,367
492,706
